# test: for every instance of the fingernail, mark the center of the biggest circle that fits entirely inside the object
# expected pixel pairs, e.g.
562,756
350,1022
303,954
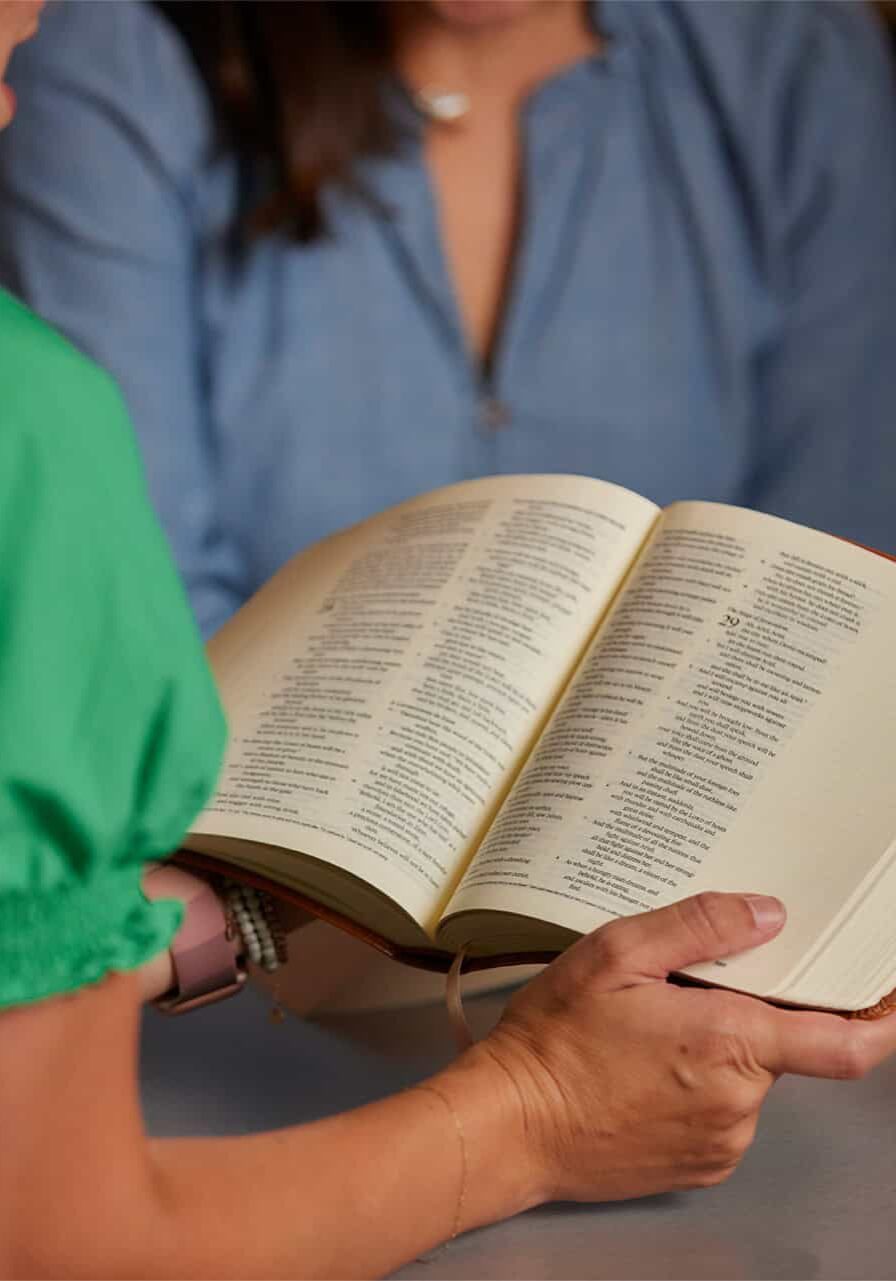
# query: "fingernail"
767,911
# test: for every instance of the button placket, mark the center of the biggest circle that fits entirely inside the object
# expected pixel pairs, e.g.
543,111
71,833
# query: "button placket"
493,414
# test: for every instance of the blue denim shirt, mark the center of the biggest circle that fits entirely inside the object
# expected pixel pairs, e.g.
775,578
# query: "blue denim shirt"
701,305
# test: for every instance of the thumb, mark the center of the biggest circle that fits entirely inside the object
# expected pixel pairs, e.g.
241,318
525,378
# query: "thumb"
650,946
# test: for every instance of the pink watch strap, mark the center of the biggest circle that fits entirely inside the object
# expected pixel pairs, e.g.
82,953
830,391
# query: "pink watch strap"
206,959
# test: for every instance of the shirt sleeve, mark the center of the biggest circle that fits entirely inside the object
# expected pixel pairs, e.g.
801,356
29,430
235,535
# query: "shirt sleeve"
827,408
98,232
110,728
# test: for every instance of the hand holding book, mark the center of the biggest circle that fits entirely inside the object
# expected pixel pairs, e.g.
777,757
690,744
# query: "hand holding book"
618,1084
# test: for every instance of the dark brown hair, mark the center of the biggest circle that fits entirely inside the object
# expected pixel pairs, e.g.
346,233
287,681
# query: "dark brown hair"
297,90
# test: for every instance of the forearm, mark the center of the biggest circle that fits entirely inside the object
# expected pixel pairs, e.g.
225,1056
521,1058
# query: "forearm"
355,1195
406,1172
156,977
601,1082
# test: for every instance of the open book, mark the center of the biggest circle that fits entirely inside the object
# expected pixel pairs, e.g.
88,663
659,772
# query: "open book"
502,713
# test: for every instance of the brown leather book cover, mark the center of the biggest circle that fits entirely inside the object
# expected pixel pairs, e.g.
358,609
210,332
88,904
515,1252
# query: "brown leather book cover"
422,958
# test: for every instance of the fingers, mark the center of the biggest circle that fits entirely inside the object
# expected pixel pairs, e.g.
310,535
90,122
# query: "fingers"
650,946
646,948
823,1044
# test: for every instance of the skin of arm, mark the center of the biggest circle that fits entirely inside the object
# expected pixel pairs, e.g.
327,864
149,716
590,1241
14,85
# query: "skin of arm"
601,1082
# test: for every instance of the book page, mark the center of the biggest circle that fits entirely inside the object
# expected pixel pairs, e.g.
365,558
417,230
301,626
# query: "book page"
384,687
730,728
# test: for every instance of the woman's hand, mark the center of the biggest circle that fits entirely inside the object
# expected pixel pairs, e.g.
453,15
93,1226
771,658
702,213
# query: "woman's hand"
625,1085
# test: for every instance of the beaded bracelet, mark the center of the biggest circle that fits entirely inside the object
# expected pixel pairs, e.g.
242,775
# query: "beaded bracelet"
253,915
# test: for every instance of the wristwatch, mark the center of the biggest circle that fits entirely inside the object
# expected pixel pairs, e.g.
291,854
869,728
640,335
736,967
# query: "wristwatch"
206,952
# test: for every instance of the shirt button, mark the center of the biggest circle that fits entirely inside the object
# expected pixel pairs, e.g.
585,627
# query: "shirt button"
493,414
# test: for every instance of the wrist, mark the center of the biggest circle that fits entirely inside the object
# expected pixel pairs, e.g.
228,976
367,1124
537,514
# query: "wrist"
156,976
503,1174
204,961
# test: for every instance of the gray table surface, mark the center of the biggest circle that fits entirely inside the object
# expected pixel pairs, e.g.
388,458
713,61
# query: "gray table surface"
815,1196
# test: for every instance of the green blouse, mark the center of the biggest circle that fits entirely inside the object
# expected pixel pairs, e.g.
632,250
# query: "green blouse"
111,733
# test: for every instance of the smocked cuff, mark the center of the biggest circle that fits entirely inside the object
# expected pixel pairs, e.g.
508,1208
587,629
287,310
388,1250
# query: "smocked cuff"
61,940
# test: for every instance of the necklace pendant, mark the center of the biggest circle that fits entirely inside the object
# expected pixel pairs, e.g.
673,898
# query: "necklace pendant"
442,106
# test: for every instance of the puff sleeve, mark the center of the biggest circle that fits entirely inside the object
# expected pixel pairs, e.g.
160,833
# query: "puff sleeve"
111,733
